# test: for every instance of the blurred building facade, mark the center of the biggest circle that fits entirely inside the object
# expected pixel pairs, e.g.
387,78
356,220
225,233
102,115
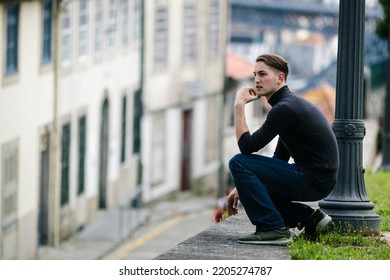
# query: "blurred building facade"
185,47
65,116
101,100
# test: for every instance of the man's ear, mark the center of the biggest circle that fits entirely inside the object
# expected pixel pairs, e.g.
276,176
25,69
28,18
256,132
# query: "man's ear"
281,77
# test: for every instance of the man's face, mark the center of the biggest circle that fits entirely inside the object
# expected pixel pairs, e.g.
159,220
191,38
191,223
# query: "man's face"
267,79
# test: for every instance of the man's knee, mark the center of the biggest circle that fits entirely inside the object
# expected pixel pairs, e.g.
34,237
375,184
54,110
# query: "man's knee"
235,162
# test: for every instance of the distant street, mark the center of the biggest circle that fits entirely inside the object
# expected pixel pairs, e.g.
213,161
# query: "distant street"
155,239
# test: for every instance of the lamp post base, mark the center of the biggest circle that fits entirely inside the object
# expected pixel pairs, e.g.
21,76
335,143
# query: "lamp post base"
349,217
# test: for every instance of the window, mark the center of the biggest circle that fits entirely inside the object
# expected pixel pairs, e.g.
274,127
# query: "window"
137,9
99,26
229,108
125,22
212,129
9,184
161,36
65,162
82,152
123,129
83,28
66,36
12,38
47,32
213,41
190,42
112,24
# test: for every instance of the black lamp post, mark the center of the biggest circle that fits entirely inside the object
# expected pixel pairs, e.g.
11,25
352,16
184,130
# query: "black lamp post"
348,204
386,133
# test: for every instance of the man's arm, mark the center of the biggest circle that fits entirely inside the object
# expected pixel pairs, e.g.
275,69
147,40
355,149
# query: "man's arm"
244,95
240,120
281,151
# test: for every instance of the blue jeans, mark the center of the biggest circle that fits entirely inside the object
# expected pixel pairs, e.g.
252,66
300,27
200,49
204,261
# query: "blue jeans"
268,190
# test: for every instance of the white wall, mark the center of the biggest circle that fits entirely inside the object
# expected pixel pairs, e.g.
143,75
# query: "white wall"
27,109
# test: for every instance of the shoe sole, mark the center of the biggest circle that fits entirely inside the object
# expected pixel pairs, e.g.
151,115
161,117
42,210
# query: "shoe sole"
323,223
277,242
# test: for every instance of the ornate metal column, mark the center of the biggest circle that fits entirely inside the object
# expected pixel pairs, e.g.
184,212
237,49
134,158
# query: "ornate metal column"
348,204
386,133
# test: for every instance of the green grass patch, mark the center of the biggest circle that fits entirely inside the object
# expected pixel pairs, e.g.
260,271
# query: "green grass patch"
352,246
335,246
378,190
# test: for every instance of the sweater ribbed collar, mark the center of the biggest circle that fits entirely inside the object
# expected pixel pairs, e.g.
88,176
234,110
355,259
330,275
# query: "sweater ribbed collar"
279,94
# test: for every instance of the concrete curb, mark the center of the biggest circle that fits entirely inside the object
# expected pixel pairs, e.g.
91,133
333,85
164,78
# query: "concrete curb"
219,242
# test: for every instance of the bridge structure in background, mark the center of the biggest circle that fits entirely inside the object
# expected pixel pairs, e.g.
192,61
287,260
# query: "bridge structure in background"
250,19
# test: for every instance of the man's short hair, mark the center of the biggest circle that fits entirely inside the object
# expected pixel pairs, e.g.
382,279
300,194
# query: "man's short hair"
275,61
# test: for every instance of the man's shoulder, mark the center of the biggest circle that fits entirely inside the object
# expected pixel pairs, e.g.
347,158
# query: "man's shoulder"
284,108
294,100
289,100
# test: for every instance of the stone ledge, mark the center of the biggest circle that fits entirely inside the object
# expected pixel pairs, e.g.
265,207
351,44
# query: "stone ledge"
219,242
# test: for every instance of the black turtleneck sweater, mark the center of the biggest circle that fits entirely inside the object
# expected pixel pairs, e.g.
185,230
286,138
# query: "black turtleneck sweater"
304,134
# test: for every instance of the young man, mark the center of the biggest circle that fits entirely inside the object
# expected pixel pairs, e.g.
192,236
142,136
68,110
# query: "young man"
268,188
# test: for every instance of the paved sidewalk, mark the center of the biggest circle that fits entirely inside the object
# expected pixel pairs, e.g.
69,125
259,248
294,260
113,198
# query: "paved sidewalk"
105,232
113,226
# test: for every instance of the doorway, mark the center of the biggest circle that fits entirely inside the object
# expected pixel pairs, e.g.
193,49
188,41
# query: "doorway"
185,181
103,154
43,217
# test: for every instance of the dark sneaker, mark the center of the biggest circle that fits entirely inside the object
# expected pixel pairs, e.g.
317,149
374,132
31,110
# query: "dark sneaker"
317,223
280,236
